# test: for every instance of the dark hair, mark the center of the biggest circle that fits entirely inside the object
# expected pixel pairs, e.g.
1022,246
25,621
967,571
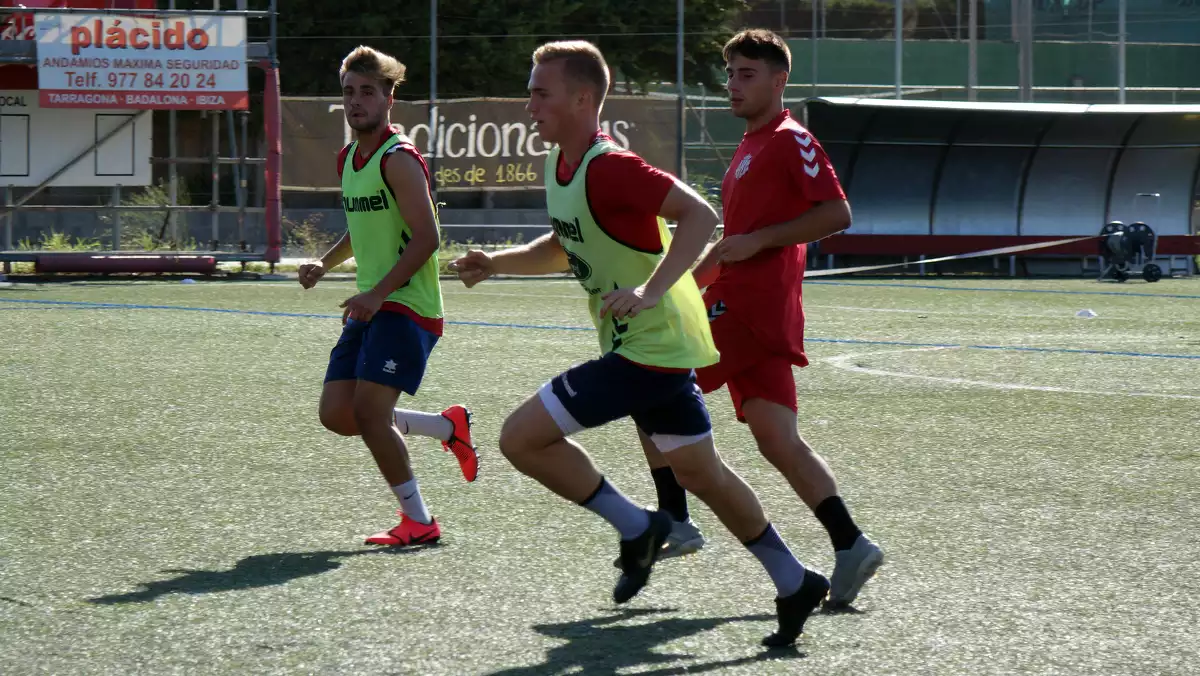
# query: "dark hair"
759,44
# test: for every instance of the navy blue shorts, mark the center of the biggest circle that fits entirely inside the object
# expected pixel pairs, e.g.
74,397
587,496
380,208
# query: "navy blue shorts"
390,350
666,406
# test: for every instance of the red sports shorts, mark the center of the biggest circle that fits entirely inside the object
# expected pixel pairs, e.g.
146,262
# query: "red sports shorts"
748,369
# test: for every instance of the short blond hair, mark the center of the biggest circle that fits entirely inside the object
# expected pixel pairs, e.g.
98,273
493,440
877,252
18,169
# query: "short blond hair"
582,62
374,64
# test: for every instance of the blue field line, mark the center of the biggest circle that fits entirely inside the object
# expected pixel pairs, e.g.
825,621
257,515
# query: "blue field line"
133,306
993,289
264,313
553,327
542,327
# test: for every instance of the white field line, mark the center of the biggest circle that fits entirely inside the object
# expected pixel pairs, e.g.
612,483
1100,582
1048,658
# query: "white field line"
843,362
997,315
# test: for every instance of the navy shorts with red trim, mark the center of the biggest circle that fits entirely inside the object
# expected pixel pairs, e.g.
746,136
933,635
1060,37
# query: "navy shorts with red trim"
391,350
666,405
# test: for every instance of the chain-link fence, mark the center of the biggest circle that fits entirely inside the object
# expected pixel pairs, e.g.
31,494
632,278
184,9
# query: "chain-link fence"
1048,51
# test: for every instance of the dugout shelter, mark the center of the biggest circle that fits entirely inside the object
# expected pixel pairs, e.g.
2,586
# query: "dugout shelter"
932,178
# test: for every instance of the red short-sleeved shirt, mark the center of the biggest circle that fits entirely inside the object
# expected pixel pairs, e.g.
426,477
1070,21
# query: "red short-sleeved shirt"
626,195
778,172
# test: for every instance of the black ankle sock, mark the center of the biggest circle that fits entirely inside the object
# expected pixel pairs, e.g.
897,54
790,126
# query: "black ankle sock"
832,514
672,499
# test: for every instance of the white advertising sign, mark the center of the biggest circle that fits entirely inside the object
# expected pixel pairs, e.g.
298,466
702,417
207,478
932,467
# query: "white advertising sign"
35,142
111,61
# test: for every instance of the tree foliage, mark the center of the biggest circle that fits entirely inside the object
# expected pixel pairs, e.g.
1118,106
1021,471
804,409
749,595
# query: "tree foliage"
484,46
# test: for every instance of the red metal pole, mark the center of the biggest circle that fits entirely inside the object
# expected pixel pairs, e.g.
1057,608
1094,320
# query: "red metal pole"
274,203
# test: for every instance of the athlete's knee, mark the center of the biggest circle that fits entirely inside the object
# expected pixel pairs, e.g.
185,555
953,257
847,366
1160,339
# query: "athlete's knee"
699,470
516,435
514,445
372,419
530,430
699,481
779,449
775,434
339,420
336,408
773,431
342,426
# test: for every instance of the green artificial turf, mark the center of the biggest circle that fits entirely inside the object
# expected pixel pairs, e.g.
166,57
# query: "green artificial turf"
171,504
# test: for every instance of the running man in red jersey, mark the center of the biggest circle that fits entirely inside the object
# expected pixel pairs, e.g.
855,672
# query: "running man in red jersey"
393,323
779,193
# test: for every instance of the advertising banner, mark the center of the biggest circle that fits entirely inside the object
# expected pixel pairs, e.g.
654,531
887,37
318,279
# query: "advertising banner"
113,61
476,144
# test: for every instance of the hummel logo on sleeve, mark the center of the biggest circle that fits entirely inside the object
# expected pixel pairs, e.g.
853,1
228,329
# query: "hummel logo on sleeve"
810,154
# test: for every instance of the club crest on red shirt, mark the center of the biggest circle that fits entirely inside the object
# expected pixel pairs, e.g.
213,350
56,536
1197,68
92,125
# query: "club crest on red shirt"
742,167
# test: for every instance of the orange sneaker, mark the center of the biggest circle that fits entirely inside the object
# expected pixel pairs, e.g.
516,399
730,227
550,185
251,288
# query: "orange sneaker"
409,532
460,441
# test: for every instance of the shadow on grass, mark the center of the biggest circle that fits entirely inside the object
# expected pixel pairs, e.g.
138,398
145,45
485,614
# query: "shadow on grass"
602,646
260,570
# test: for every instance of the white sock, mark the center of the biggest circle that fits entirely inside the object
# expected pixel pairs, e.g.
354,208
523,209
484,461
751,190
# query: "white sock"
432,425
410,501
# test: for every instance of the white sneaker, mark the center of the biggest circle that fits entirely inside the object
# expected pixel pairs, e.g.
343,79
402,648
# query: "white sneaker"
851,570
685,538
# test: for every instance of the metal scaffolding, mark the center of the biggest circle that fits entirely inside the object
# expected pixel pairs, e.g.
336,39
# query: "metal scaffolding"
238,160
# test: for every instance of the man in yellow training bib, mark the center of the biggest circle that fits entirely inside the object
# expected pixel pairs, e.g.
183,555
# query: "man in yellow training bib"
653,331
393,323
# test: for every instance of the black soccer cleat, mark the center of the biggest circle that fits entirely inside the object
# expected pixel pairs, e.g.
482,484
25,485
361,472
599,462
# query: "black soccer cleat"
638,556
794,610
